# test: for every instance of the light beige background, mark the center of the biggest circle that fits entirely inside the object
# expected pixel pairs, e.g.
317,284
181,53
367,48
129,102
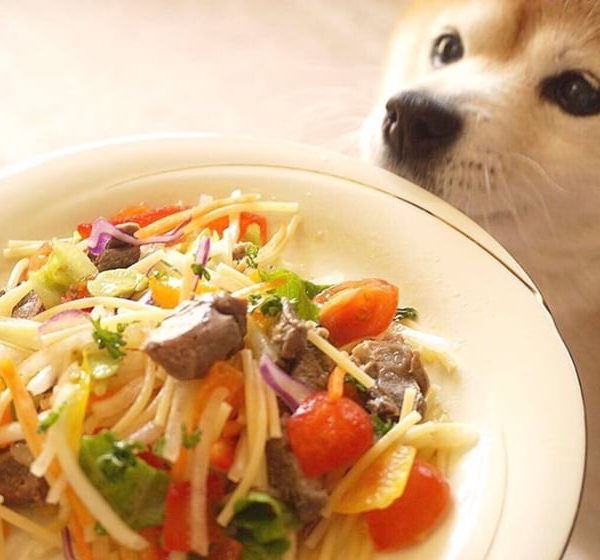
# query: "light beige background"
80,70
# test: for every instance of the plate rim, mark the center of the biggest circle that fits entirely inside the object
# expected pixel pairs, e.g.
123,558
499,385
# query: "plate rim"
302,157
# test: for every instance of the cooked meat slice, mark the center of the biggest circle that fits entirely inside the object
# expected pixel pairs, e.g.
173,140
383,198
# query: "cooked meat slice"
394,367
307,496
199,333
118,254
28,307
17,485
312,368
289,333
239,250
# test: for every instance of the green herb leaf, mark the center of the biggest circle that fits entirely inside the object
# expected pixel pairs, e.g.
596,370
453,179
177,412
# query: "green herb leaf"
251,254
99,530
357,384
200,271
261,523
50,420
403,313
381,426
135,490
269,305
296,290
313,290
110,340
190,440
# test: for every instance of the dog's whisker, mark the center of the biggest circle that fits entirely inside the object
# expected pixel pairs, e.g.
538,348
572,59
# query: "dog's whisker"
539,168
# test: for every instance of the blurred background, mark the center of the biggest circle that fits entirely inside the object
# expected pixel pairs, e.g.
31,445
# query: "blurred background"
77,71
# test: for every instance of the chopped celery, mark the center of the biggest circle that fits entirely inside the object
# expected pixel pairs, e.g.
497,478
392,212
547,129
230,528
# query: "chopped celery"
66,265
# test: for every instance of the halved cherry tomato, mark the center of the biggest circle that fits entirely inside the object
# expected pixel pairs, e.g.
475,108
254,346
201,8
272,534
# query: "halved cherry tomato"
412,516
325,434
357,309
176,530
141,214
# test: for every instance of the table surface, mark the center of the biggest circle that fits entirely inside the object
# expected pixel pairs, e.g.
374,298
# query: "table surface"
81,70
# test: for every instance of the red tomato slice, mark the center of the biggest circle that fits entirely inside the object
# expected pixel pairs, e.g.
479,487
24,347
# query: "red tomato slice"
154,551
176,532
247,219
141,214
325,434
354,310
412,516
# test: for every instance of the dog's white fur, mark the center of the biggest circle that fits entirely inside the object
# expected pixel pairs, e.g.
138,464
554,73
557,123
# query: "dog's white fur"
525,170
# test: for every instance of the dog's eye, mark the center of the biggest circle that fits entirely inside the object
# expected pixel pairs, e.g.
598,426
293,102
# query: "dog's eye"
447,48
574,92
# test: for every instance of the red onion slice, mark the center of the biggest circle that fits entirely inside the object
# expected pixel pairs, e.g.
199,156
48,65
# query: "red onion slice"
103,231
64,320
290,391
67,545
203,251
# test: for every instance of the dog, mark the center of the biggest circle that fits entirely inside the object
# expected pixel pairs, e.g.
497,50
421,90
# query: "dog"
495,107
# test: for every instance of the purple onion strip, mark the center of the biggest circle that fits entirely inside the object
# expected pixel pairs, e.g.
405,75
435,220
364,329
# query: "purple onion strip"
103,231
290,391
202,254
67,544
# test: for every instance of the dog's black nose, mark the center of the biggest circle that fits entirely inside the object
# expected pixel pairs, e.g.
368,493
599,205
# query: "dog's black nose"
418,127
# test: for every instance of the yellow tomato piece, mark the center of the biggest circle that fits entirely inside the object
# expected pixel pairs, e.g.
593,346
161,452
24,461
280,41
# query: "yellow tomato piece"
165,291
382,483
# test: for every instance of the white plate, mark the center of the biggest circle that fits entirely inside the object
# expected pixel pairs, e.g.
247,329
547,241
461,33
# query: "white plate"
517,492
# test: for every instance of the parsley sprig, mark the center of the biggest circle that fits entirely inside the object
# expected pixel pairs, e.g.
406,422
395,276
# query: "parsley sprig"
403,313
200,271
112,341
189,440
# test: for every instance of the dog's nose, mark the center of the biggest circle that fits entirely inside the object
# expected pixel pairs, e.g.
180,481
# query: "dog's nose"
419,127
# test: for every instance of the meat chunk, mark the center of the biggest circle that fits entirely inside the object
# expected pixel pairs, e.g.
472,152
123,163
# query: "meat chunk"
240,249
28,307
17,485
300,359
199,333
394,367
118,254
312,368
307,496
289,333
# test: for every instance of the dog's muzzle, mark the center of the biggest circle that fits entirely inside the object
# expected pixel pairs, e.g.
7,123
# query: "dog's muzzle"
418,128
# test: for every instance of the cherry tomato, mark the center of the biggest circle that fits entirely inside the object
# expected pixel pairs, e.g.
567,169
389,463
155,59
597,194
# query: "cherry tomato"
412,516
325,434
358,309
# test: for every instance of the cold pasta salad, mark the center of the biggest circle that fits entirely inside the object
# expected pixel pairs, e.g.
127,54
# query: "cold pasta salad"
171,391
